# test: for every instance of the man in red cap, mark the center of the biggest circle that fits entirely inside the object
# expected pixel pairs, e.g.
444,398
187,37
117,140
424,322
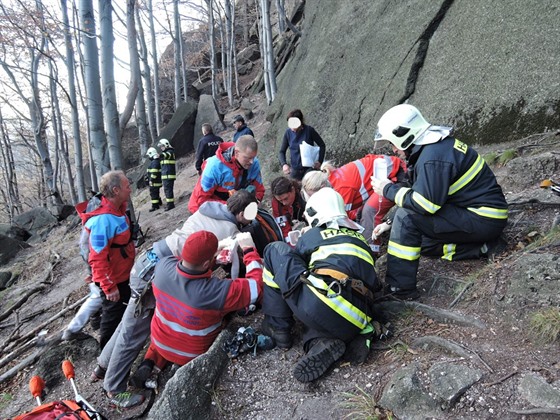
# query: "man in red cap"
191,304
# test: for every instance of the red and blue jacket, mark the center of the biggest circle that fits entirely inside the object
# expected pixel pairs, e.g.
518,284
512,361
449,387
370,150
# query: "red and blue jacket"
190,307
111,249
221,176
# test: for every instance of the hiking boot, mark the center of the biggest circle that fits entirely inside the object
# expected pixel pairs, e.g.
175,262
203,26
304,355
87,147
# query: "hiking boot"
125,399
98,374
494,248
95,321
139,378
170,206
322,353
154,208
402,294
68,336
282,338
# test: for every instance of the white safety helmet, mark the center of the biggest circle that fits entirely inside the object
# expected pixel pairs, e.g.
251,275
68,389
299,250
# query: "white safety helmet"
164,142
402,125
152,153
324,206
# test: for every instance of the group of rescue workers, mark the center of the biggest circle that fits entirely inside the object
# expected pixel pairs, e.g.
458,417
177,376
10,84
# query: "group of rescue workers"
321,268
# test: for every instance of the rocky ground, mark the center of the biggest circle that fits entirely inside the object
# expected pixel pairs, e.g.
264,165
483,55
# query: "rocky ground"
473,325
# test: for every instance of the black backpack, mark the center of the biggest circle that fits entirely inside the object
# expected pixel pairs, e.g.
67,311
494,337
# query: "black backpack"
264,230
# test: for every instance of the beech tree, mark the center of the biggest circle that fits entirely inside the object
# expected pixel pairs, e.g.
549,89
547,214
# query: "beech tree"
267,50
73,102
98,141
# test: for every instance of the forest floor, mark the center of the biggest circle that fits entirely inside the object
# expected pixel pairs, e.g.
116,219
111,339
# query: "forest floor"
262,387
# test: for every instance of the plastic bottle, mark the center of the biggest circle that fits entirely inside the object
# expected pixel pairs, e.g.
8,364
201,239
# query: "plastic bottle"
380,172
380,168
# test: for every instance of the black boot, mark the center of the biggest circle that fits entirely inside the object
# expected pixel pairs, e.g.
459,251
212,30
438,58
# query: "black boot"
323,352
282,338
170,206
154,207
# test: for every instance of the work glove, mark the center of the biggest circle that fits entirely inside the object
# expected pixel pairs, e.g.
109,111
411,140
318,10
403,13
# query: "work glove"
245,240
379,229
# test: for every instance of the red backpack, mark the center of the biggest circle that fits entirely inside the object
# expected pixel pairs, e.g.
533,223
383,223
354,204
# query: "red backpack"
55,410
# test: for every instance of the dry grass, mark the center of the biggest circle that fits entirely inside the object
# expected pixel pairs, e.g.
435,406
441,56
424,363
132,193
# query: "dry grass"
545,325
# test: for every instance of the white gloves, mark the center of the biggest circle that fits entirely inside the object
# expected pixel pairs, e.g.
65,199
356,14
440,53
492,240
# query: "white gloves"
244,240
379,229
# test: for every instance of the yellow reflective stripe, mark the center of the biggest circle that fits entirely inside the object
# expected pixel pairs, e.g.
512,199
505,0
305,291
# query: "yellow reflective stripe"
168,162
169,177
448,251
154,170
409,253
324,252
490,212
399,198
268,279
339,304
467,176
424,203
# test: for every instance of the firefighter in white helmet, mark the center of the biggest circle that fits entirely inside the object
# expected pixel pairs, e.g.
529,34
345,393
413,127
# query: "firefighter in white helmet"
153,177
327,282
168,174
455,208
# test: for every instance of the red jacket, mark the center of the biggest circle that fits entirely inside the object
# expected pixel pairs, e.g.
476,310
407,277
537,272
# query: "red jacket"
353,180
111,250
284,215
190,308
221,176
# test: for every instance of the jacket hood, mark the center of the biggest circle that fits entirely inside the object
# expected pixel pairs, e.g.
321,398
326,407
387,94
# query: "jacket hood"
225,152
93,207
217,210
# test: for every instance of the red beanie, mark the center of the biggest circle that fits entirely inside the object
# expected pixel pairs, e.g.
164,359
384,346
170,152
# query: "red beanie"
200,247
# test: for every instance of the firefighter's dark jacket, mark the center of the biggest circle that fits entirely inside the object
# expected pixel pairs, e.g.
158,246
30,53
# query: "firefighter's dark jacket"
449,172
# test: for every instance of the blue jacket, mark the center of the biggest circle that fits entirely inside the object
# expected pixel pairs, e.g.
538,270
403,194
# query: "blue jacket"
241,132
292,141
222,176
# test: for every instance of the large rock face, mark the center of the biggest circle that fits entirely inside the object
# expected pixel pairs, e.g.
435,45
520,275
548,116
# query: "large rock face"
489,68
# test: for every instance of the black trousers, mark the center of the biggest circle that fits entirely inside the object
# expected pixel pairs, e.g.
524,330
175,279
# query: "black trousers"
453,233
168,190
112,312
154,196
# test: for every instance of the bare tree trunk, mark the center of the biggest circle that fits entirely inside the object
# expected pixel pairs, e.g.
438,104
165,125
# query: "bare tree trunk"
110,110
62,147
281,16
70,65
11,197
245,23
178,59
268,49
229,44
146,77
210,4
93,90
223,41
157,94
134,84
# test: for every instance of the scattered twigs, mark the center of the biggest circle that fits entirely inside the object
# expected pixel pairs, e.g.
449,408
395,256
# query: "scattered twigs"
544,410
460,295
21,301
502,379
32,333
29,360
23,319
533,201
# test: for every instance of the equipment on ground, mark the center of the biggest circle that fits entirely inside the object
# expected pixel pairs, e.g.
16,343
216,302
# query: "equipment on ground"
78,408
550,184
